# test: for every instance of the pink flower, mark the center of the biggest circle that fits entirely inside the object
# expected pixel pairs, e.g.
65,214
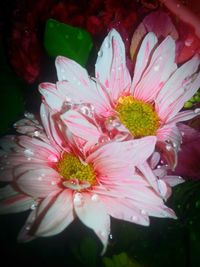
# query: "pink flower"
149,104
189,155
159,22
60,175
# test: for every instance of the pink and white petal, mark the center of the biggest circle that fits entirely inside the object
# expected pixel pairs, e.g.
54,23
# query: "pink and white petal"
118,159
154,160
157,72
184,116
69,70
164,189
15,203
94,94
181,86
50,93
26,233
149,175
53,127
143,58
168,153
80,126
173,180
170,133
7,191
93,214
124,209
56,216
38,182
34,145
111,67
8,144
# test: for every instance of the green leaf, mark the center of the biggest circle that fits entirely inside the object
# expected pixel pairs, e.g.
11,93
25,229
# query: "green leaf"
120,260
64,40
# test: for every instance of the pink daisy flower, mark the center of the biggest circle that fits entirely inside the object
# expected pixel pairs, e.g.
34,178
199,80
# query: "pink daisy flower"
60,176
149,104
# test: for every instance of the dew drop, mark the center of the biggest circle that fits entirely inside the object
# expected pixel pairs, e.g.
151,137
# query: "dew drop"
36,133
78,199
29,158
134,218
39,178
28,151
95,197
100,53
143,212
28,115
188,42
197,110
103,234
111,237
156,68
53,183
107,45
168,147
28,227
52,158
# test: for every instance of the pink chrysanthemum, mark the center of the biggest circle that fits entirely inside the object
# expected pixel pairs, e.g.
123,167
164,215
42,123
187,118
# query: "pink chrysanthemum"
61,175
148,105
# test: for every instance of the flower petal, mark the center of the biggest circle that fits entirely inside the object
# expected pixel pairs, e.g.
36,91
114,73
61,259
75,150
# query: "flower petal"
37,180
99,221
143,56
15,203
117,159
181,86
125,209
50,93
157,72
57,216
80,126
111,67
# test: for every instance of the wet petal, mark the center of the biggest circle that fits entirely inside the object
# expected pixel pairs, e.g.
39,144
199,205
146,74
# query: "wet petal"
99,221
111,67
56,216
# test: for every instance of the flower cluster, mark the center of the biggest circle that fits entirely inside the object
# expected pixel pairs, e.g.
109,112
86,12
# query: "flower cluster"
104,144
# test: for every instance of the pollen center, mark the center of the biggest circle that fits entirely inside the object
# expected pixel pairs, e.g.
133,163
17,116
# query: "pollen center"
71,168
138,117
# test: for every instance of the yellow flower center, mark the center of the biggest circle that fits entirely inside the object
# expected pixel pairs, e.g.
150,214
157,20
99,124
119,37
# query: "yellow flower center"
72,169
138,117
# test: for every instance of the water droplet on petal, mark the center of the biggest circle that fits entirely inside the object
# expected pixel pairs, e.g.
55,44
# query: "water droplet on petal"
134,218
168,147
78,199
29,159
95,197
156,68
36,133
107,45
28,151
103,234
53,158
53,182
143,212
197,110
29,115
100,53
